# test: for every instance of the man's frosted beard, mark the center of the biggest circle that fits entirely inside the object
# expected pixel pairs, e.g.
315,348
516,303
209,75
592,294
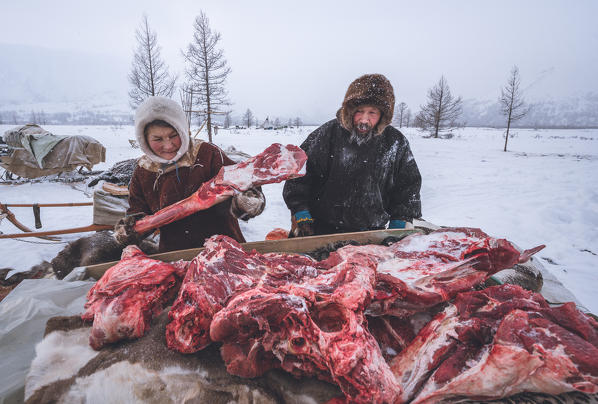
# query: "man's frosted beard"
361,138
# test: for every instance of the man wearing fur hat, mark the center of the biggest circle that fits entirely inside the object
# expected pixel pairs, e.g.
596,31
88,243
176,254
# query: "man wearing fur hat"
361,174
173,167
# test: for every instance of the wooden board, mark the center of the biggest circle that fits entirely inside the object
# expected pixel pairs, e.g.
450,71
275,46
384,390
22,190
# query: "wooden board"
291,245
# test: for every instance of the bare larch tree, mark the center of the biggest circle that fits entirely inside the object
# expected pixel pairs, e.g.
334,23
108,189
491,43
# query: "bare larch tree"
511,101
441,110
186,96
407,118
149,74
248,118
227,120
206,70
400,114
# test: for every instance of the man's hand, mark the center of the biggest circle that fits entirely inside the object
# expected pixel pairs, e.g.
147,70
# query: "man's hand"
248,204
124,230
400,224
302,224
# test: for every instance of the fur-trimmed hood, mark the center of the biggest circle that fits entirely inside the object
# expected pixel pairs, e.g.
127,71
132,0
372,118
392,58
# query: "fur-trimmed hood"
166,110
369,89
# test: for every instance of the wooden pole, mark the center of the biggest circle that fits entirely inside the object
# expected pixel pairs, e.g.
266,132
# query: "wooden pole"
47,205
93,227
11,218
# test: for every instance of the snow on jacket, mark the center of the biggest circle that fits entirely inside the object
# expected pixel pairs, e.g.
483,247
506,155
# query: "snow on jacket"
155,186
351,187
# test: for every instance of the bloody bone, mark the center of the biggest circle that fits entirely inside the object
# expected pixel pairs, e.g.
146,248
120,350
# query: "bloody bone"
275,164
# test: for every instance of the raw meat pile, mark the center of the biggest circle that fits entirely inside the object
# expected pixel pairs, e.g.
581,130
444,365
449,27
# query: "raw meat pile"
222,269
386,324
275,164
122,303
497,342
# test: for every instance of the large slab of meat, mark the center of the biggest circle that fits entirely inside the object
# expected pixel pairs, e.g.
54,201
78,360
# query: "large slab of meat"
221,270
422,270
122,303
497,342
275,164
313,326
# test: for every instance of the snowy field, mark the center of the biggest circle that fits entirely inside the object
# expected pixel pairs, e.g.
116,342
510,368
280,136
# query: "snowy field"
544,190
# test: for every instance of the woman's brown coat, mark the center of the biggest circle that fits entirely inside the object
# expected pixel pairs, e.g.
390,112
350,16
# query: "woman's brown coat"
154,187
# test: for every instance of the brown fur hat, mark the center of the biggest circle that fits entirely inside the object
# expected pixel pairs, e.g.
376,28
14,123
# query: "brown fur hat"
369,89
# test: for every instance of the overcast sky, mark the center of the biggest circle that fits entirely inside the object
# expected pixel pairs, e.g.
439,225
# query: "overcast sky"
296,58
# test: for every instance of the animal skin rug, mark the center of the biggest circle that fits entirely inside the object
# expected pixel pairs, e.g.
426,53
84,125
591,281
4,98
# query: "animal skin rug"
67,370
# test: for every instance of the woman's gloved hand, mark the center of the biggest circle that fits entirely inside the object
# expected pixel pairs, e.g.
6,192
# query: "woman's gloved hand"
124,230
248,204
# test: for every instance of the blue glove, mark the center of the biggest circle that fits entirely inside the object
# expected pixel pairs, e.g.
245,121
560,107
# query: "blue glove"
304,224
397,224
303,216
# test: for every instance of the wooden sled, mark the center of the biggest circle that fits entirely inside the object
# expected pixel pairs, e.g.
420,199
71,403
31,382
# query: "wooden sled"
45,235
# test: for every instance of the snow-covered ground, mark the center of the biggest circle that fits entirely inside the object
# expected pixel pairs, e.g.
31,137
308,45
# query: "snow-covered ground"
544,190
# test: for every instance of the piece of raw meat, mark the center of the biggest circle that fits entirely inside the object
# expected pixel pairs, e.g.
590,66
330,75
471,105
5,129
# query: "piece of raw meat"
497,342
313,326
220,270
122,303
275,164
394,334
421,271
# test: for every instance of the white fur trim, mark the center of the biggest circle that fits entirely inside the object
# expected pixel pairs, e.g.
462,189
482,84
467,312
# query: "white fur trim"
166,110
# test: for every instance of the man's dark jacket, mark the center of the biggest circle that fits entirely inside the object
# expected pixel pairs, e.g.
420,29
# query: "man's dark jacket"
350,187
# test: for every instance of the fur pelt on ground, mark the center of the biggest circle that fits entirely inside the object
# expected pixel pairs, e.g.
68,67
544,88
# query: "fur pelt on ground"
97,248
67,370
36,272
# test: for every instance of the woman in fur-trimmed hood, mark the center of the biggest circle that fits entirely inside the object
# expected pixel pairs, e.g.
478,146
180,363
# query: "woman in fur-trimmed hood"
361,174
172,168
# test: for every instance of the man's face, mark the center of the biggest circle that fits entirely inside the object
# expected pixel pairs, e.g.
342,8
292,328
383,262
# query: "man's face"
366,117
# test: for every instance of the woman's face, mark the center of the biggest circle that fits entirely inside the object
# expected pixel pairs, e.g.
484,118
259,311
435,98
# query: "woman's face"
164,142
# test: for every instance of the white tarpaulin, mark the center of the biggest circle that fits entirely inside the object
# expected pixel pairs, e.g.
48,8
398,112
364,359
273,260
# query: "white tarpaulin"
23,316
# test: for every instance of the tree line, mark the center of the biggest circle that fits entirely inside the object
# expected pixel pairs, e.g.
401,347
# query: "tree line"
203,92
441,112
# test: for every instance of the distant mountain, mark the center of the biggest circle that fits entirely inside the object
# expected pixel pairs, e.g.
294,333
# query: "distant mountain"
50,86
63,86
580,111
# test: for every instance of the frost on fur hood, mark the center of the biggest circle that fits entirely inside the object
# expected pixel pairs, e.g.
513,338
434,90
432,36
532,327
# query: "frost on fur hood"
369,89
166,110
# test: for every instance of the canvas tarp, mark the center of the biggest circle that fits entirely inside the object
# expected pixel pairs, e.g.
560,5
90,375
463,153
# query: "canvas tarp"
108,209
37,152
